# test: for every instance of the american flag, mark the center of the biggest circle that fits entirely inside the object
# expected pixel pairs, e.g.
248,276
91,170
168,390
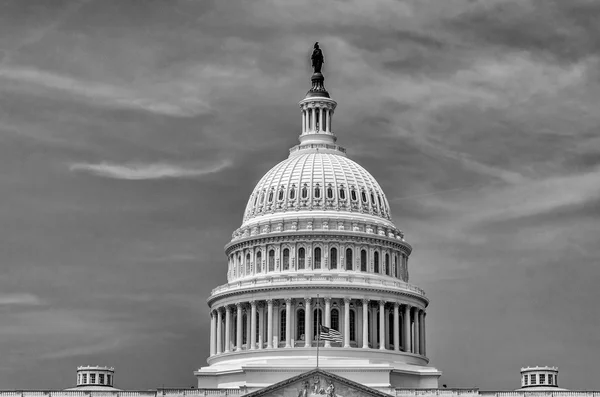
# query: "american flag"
331,335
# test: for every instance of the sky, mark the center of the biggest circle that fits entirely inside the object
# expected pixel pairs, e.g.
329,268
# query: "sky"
133,131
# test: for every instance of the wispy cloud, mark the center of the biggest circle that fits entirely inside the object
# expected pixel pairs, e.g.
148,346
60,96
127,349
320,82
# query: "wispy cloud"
20,299
180,105
141,171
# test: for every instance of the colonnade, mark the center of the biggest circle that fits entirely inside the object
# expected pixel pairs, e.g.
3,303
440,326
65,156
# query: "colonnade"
316,119
292,323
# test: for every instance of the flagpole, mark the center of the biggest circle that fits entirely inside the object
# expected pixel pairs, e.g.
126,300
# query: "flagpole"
318,328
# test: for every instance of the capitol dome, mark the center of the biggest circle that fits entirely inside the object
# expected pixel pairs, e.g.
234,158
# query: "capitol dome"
317,254
317,179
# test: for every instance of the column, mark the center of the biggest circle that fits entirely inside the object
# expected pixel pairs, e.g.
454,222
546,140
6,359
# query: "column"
346,322
238,337
424,351
307,322
314,119
252,325
329,112
407,344
269,323
213,333
321,127
365,323
288,322
381,325
388,326
248,324
227,328
261,326
416,328
328,318
303,128
396,326
219,331
421,333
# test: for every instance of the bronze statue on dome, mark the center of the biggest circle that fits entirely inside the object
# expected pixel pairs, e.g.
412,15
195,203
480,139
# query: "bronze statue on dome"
317,58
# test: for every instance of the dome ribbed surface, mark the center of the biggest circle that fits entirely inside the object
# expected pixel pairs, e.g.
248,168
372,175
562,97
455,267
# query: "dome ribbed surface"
317,181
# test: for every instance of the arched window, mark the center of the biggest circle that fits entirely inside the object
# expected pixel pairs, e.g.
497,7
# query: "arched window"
376,262
292,192
363,260
333,258
349,259
282,325
280,197
258,262
271,196
286,259
363,196
342,193
353,195
372,199
272,260
317,319
262,197
304,191
335,319
317,191
352,326
387,264
379,200
300,324
397,269
248,264
329,192
255,199
317,258
301,257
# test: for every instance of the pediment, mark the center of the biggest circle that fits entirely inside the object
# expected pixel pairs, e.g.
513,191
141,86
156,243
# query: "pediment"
317,383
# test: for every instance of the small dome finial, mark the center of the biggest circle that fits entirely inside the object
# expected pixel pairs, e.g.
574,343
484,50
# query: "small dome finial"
317,58
317,79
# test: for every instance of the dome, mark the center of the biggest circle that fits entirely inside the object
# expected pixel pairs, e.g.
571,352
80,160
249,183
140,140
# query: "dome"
317,180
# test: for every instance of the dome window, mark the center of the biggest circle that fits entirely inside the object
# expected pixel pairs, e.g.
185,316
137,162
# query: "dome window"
372,199
248,264
387,264
301,258
376,262
293,192
304,191
342,194
317,191
258,261
353,195
329,192
317,258
333,258
262,197
363,260
272,260
286,259
255,199
363,196
271,196
280,197
379,200
349,259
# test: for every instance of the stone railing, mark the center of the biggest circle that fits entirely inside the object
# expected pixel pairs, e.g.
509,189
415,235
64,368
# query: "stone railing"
478,393
437,392
317,146
283,279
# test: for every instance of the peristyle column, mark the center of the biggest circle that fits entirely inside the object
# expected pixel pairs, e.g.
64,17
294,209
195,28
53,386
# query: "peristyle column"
288,322
424,351
269,323
219,331
416,332
252,336
261,325
227,328
396,326
381,325
307,322
407,340
365,323
213,333
346,322
328,318
238,337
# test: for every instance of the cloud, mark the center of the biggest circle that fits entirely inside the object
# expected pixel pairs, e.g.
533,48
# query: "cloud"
141,171
20,300
181,104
